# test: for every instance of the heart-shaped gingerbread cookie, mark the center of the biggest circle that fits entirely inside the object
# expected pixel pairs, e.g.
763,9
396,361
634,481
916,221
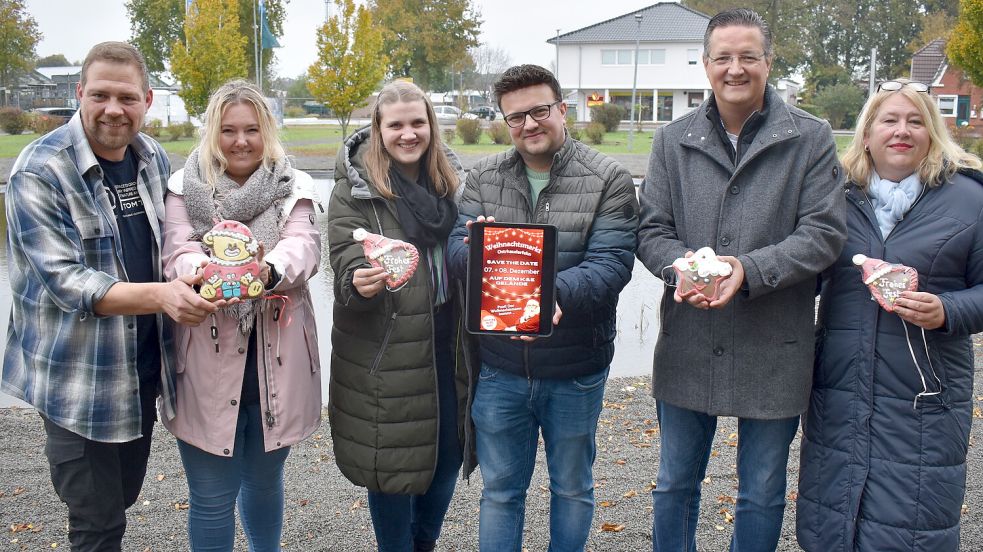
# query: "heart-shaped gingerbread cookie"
885,280
399,258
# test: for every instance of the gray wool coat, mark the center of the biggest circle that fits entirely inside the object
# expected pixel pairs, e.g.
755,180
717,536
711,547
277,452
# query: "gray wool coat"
780,210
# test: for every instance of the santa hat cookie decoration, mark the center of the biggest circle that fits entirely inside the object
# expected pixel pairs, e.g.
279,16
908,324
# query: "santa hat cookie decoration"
885,280
399,258
232,270
701,273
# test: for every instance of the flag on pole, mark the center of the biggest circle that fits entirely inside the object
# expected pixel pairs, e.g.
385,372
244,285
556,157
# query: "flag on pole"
268,40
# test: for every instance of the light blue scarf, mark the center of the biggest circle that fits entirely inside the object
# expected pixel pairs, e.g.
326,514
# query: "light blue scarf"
891,200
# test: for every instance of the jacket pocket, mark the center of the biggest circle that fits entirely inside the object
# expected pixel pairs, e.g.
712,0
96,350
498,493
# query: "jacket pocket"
591,381
312,352
385,343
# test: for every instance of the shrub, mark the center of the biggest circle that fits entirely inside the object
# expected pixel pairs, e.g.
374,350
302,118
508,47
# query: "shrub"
572,129
188,129
294,112
43,124
595,133
153,128
609,115
176,131
13,120
469,130
449,134
498,132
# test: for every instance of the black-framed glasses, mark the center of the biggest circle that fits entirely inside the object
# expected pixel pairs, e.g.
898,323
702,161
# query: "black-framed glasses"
893,85
745,60
538,113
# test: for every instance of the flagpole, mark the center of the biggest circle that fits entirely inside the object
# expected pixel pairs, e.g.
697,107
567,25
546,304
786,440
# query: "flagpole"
256,48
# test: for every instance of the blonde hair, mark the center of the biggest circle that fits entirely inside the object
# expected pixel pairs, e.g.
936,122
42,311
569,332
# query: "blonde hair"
944,155
377,159
212,161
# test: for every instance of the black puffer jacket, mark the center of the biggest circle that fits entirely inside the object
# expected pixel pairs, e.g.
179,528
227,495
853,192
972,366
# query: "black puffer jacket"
383,389
878,472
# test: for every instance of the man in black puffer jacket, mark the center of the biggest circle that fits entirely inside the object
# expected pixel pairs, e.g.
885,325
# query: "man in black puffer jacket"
555,383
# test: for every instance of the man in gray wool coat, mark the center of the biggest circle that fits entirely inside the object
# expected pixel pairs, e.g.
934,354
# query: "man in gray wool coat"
758,181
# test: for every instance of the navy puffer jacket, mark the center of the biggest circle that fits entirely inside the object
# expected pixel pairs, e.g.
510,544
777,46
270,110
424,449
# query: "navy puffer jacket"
591,200
879,472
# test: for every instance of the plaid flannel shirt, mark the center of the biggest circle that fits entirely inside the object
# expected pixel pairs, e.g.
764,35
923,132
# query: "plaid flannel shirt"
64,253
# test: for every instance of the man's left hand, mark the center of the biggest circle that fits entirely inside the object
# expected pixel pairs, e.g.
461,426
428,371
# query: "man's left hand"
730,285
557,314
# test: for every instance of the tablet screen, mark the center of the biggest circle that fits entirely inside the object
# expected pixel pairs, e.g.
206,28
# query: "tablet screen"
511,278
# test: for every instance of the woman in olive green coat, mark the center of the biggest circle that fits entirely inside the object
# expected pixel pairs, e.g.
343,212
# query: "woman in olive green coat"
400,385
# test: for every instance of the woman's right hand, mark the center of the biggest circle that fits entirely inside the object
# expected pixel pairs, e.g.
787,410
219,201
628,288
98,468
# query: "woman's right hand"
369,281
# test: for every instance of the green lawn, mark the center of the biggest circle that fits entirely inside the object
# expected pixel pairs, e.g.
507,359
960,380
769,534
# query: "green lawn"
323,140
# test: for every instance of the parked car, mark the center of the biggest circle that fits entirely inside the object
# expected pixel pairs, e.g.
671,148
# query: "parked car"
447,114
61,114
484,112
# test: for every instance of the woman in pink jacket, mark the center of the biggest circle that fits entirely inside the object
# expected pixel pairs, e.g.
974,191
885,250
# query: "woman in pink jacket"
247,383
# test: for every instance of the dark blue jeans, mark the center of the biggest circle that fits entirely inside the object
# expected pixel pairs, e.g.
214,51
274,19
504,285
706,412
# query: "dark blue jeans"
407,523
509,411
252,477
762,461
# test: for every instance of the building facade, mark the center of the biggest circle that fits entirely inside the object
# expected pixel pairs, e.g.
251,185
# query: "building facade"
960,102
596,64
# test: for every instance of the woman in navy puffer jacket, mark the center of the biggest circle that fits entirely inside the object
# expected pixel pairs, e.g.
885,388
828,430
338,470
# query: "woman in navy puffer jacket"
887,430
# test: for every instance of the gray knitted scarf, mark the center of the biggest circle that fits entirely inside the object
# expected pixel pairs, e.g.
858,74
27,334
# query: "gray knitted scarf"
258,204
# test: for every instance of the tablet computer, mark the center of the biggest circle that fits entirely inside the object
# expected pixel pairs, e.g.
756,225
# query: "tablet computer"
511,279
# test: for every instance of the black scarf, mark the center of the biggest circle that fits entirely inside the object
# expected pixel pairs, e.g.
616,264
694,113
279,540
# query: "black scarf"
426,219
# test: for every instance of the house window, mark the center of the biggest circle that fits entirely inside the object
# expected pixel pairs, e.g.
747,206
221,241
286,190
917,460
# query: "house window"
624,57
657,57
695,99
643,57
609,57
947,105
692,56
664,107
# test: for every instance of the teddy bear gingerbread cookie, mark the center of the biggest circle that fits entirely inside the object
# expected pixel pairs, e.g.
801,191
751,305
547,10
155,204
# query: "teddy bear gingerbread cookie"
232,271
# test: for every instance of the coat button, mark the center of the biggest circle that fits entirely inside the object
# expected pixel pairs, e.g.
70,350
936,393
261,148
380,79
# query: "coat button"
278,443
226,451
773,280
735,189
129,326
234,402
725,241
718,351
241,350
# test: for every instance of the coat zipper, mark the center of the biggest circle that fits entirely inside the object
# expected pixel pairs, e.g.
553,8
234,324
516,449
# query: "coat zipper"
261,327
385,343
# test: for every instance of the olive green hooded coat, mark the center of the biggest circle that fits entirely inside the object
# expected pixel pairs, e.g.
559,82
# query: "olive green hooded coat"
383,389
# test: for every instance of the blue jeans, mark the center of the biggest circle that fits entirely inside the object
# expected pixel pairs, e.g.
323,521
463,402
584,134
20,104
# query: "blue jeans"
410,523
508,413
251,477
762,461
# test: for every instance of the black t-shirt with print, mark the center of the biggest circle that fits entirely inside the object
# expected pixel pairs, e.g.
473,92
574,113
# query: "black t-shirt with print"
136,235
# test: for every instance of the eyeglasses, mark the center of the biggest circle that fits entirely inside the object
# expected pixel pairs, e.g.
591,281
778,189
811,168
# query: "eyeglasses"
745,60
538,113
891,86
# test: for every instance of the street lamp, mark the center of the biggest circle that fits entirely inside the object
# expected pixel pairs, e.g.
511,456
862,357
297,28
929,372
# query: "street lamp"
634,84
557,55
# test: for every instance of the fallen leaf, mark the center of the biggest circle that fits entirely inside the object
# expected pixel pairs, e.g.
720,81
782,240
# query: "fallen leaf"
54,545
651,485
648,421
304,502
355,505
181,505
965,510
977,412
732,436
19,491
613,405
728,517
620,462
726,499
18,527
606,503
146,503
793,496
544,488
160,477
630,494
651,431
718,527
612,527
714,453
318,437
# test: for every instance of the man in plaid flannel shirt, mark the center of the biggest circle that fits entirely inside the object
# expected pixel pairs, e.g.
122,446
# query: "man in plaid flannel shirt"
87,343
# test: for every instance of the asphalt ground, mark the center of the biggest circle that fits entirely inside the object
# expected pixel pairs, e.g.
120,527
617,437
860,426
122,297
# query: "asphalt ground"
326,512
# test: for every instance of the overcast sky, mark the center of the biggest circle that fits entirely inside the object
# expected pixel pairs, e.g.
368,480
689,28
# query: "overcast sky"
520,27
